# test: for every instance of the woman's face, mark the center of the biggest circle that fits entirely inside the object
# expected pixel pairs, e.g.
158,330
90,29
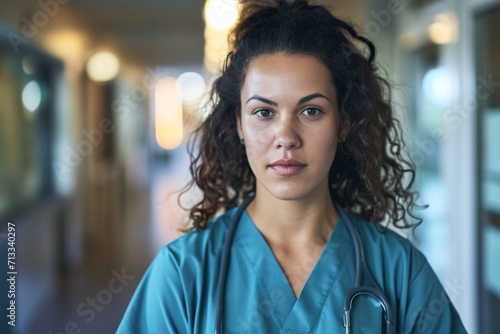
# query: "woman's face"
290,124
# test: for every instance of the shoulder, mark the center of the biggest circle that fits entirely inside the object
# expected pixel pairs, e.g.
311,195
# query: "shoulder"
188,256
169,291
197,245
392,256
379,239
404,274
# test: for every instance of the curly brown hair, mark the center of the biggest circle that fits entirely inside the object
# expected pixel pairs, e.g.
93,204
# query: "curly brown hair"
371,175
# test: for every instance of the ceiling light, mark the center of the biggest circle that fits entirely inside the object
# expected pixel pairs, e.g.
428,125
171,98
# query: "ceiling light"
103,66
221,14
444,29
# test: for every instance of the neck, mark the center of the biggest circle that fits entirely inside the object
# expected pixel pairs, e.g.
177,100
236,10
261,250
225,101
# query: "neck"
305,221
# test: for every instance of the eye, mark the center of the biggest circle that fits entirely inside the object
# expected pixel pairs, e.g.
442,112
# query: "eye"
263,113
312,112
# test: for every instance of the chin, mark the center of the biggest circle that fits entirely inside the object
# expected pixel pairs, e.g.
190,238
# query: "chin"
289,194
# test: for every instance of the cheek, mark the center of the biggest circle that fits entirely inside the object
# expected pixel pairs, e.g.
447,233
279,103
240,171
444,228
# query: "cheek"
257,137
326,143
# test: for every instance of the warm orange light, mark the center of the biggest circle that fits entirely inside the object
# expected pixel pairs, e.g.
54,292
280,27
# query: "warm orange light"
444,29
103,66
168,114
220,16
67,44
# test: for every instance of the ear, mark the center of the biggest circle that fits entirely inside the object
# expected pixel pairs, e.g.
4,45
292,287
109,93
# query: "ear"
344,130
238,126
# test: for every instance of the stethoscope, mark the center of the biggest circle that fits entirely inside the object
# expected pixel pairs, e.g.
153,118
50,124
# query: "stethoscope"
372,289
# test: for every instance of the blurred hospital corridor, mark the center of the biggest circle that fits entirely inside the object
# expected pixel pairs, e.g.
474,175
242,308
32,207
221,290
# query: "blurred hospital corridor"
94,294
97,103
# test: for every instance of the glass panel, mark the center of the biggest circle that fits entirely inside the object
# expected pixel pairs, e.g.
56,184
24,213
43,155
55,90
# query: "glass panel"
25,129
431,98
488,97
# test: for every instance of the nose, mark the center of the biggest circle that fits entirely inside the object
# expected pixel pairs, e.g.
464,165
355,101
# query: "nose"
286,135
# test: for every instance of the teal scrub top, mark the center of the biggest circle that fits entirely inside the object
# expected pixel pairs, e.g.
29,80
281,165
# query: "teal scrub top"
178,293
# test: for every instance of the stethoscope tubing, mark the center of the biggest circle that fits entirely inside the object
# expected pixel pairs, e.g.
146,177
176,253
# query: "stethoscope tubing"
225,262
359,289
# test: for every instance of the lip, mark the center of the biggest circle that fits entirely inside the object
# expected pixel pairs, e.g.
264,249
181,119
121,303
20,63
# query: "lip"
287,167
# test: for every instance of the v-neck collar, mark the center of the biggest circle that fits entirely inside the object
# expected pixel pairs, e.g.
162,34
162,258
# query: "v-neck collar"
297,314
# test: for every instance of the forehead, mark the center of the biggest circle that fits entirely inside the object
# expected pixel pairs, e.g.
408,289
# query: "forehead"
295,73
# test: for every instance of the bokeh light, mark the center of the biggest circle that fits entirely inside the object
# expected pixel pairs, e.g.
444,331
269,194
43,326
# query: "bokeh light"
436,86
443,30
28,64
191,86
32,96
221,14
168,114
103,66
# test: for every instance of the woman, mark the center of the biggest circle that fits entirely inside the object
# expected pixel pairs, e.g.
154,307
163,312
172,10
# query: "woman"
302,127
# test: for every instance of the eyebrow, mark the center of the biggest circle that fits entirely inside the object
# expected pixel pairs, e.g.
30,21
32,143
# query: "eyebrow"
301,101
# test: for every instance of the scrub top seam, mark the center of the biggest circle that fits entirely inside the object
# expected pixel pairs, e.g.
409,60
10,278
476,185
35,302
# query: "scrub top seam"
416,274
262,286
324,297
333,283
